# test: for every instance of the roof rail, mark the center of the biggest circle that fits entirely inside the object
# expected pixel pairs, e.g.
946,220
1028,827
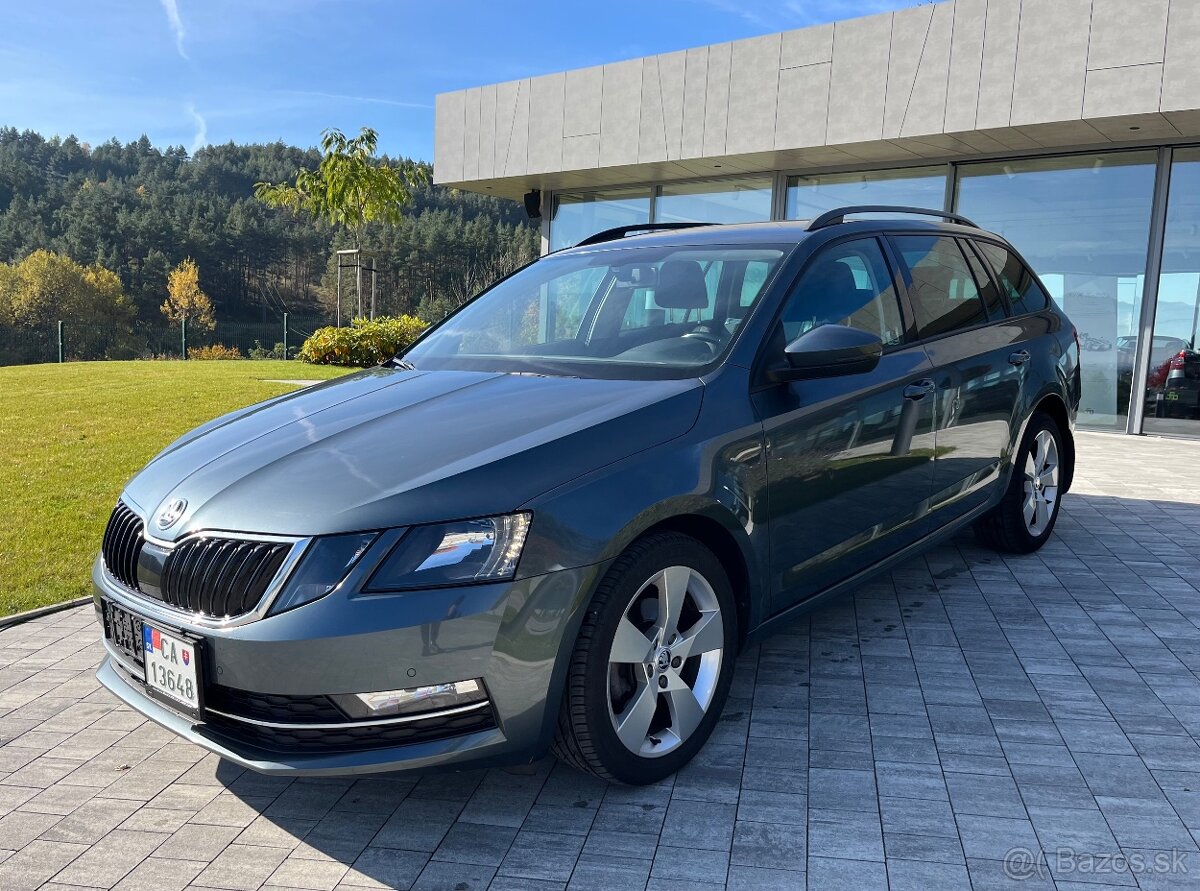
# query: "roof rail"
619,232
838,215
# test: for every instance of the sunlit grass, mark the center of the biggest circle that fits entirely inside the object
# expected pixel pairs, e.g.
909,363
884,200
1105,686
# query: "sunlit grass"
71,436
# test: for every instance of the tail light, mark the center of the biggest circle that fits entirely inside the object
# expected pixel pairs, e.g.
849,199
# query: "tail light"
1179,360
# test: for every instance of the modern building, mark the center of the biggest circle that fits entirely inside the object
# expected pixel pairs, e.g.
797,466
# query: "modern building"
1070,126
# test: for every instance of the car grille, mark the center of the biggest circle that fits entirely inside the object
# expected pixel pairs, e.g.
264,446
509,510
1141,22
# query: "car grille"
221,576
123,540
273,707
348,737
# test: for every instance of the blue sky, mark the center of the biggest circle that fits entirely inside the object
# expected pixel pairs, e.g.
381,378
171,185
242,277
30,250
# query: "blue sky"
192,72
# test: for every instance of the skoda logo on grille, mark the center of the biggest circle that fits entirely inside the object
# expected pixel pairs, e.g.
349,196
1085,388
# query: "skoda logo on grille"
169,515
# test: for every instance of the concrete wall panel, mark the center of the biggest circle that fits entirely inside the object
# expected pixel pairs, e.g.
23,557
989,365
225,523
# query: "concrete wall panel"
487,131
652,139
620,114
1181,72
716,98
1002,22
1052,49
448,137
471,126
1128,90
546,97
806,46
584,94
753,94
803,106
927,107
1127,33
695,90
516,155
581,152
910,30
672,68
857,88
966,61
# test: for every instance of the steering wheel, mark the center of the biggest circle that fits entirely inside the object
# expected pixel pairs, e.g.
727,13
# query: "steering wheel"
705,335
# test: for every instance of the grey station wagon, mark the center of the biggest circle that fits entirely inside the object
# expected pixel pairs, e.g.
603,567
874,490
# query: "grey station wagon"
556,519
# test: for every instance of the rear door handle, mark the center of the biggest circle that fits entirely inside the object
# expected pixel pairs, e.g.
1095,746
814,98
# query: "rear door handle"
1019,358
919,389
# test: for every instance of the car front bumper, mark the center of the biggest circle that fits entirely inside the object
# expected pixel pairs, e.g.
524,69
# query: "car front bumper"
515,636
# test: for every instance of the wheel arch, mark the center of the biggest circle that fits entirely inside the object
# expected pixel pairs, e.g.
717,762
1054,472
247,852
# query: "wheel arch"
726,548
1053,406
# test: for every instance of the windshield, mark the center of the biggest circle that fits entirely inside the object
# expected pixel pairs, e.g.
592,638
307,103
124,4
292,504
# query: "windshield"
629,312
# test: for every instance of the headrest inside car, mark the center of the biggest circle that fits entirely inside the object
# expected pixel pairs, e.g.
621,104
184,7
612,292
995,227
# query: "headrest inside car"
681,286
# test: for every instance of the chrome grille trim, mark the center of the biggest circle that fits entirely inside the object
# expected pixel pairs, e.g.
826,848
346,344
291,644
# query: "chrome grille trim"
129,596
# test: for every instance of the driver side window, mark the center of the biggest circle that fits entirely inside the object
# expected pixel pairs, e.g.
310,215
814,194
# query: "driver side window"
847,284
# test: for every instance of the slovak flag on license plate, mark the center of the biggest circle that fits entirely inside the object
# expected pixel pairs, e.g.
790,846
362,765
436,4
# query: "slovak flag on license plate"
151,638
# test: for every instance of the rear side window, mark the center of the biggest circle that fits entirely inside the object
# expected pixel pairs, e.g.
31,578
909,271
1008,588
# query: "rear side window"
1024,293
944,293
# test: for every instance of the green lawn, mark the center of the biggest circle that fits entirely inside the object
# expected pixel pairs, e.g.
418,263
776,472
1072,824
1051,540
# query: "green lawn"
72,435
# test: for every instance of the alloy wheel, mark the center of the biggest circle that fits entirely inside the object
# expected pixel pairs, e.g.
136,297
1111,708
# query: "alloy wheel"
1041,483
665,661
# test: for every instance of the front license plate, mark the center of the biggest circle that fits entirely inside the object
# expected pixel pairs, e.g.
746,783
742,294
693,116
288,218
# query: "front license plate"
170,661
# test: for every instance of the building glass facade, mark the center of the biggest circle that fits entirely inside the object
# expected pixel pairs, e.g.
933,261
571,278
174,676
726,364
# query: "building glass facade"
1084,221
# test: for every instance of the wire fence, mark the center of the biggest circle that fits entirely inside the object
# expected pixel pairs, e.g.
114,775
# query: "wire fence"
72,342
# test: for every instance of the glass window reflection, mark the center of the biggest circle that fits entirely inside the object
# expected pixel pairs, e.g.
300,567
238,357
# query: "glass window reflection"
1082,222
808,196
745,200
577,215
1173,382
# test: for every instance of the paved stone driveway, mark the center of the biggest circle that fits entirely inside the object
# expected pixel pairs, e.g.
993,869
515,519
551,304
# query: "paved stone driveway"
911,737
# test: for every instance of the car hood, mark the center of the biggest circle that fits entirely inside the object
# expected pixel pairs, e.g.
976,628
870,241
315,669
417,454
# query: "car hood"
388,447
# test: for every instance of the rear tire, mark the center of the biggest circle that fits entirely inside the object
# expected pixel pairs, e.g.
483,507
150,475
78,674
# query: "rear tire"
1023,520
652,665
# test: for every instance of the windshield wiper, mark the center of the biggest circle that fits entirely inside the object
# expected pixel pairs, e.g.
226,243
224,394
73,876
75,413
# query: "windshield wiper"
403,364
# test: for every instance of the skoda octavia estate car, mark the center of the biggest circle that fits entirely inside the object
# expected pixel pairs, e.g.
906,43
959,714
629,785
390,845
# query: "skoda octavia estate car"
556,519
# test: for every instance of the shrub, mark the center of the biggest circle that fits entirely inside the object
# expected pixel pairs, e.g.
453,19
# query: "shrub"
364,343
214,351
258,351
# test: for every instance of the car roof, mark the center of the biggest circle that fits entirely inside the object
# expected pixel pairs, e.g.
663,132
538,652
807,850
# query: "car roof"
776,233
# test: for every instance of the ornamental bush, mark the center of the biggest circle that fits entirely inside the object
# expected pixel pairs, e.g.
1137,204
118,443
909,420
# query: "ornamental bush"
214,351
365,343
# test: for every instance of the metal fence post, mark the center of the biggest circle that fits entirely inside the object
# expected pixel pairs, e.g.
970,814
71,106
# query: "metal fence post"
183,338
285,350
60,341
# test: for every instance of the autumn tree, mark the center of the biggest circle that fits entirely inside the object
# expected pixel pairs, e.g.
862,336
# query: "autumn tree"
185,299
46,287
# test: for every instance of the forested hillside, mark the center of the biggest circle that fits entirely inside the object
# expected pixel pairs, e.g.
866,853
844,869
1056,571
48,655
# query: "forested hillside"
138,210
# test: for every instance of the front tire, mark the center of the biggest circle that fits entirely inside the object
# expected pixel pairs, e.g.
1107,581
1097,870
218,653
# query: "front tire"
1023,520
653,663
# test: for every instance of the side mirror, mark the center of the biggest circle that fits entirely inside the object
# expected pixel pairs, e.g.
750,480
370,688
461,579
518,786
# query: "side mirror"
829,351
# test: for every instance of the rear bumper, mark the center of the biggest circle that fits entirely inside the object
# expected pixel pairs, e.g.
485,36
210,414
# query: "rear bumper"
515,636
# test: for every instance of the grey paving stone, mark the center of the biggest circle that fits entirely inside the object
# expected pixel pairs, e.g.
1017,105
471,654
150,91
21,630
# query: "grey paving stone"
852,835
699,824
594,873
475,843
241,868
753,878
837,874
770,845
36,863
111,858
158,874
444,876
319,875
385,868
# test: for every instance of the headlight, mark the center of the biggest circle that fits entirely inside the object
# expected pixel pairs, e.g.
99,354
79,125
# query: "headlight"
458,553
322,568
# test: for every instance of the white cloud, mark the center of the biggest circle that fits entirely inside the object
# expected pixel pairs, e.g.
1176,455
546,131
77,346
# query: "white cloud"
200,139
171,8
343,97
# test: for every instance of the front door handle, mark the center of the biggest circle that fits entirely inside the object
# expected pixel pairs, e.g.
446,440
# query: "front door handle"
919,389
1019,358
